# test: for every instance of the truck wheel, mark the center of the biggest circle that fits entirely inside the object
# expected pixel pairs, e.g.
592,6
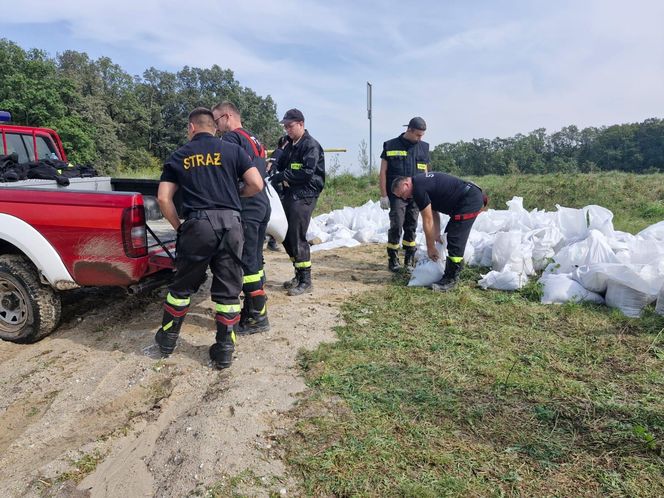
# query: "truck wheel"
29,310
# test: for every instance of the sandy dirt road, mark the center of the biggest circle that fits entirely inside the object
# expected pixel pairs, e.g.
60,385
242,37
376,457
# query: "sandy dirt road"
171,427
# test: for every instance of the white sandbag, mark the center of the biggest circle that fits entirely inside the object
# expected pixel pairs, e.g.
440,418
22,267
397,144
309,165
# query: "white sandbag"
572,223
599,218
659,307
504,245
482,247
426,272
631,302
278,224
507,280
653,232
316,234
544,240
646,279
509,249
334,244
341,232
593,249
559,289
491,221
364,235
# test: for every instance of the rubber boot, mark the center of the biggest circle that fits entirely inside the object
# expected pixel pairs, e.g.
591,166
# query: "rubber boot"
221,352
304,284
450,276
393,260
255,314
167,335
409,258
292,282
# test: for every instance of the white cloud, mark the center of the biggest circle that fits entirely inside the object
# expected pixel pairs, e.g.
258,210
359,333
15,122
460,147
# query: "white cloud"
480,71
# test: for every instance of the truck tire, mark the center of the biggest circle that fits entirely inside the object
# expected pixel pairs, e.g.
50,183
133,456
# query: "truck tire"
29,310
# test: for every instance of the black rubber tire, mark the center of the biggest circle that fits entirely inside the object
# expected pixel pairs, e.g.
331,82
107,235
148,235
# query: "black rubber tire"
29,310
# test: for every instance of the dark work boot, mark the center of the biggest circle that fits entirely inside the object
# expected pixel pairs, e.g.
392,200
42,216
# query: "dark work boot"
304,283
450,276
292,282
221,352
255,314
393,260
272,244
409,258
175,309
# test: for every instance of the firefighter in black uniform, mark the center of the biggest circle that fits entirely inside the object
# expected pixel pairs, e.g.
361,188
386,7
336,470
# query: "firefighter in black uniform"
301,172
206,171
405,155
255,217
462,201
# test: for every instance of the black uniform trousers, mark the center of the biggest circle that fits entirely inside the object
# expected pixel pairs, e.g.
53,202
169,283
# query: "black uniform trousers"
458,231
252,253
298,213
403,216
214,239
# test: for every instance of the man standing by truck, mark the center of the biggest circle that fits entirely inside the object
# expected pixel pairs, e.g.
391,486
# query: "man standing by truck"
301,171
405,155
255,217
206,171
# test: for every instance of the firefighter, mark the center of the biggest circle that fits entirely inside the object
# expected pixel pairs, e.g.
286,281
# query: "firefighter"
255,217
301,172
405,155
435,193
206,171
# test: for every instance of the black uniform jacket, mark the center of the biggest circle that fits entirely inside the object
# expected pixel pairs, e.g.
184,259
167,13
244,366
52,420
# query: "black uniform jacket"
255,207
303,167
207,171
404,158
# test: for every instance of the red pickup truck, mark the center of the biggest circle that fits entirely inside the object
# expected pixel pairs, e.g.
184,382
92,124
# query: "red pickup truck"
52,238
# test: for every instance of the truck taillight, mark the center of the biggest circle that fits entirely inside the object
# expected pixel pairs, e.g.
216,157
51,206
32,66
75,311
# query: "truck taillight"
134,234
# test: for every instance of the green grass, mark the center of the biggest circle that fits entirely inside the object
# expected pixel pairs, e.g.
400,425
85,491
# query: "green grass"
478,393
347,190
488,393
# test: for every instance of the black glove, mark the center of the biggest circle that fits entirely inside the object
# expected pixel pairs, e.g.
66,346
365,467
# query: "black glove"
277,178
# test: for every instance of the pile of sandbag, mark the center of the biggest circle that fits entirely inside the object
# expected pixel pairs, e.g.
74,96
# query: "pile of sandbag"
580,255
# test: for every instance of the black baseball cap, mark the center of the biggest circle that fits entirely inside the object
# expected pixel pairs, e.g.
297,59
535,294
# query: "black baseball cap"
292,115
417,123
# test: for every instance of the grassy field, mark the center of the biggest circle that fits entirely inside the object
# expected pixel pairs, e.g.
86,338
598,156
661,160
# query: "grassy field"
488,393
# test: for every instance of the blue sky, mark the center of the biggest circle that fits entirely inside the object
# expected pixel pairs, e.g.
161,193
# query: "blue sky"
471,68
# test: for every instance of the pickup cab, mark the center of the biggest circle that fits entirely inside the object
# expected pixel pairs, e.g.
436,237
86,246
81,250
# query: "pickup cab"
93,232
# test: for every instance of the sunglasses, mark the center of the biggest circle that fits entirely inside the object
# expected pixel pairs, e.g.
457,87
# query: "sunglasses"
223,115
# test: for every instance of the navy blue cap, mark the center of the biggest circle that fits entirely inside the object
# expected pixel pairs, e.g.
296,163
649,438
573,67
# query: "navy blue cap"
417,123
292,115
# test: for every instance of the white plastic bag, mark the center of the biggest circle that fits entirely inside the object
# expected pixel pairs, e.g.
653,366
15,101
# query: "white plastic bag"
561,288
572,223
509,249
631,302
659,307
426,272
507,280
278,224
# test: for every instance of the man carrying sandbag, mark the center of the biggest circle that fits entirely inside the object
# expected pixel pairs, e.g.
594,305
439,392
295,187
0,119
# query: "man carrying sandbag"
462,201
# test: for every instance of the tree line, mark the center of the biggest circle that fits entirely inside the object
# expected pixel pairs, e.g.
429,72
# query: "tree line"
634,147
111,119
116,121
